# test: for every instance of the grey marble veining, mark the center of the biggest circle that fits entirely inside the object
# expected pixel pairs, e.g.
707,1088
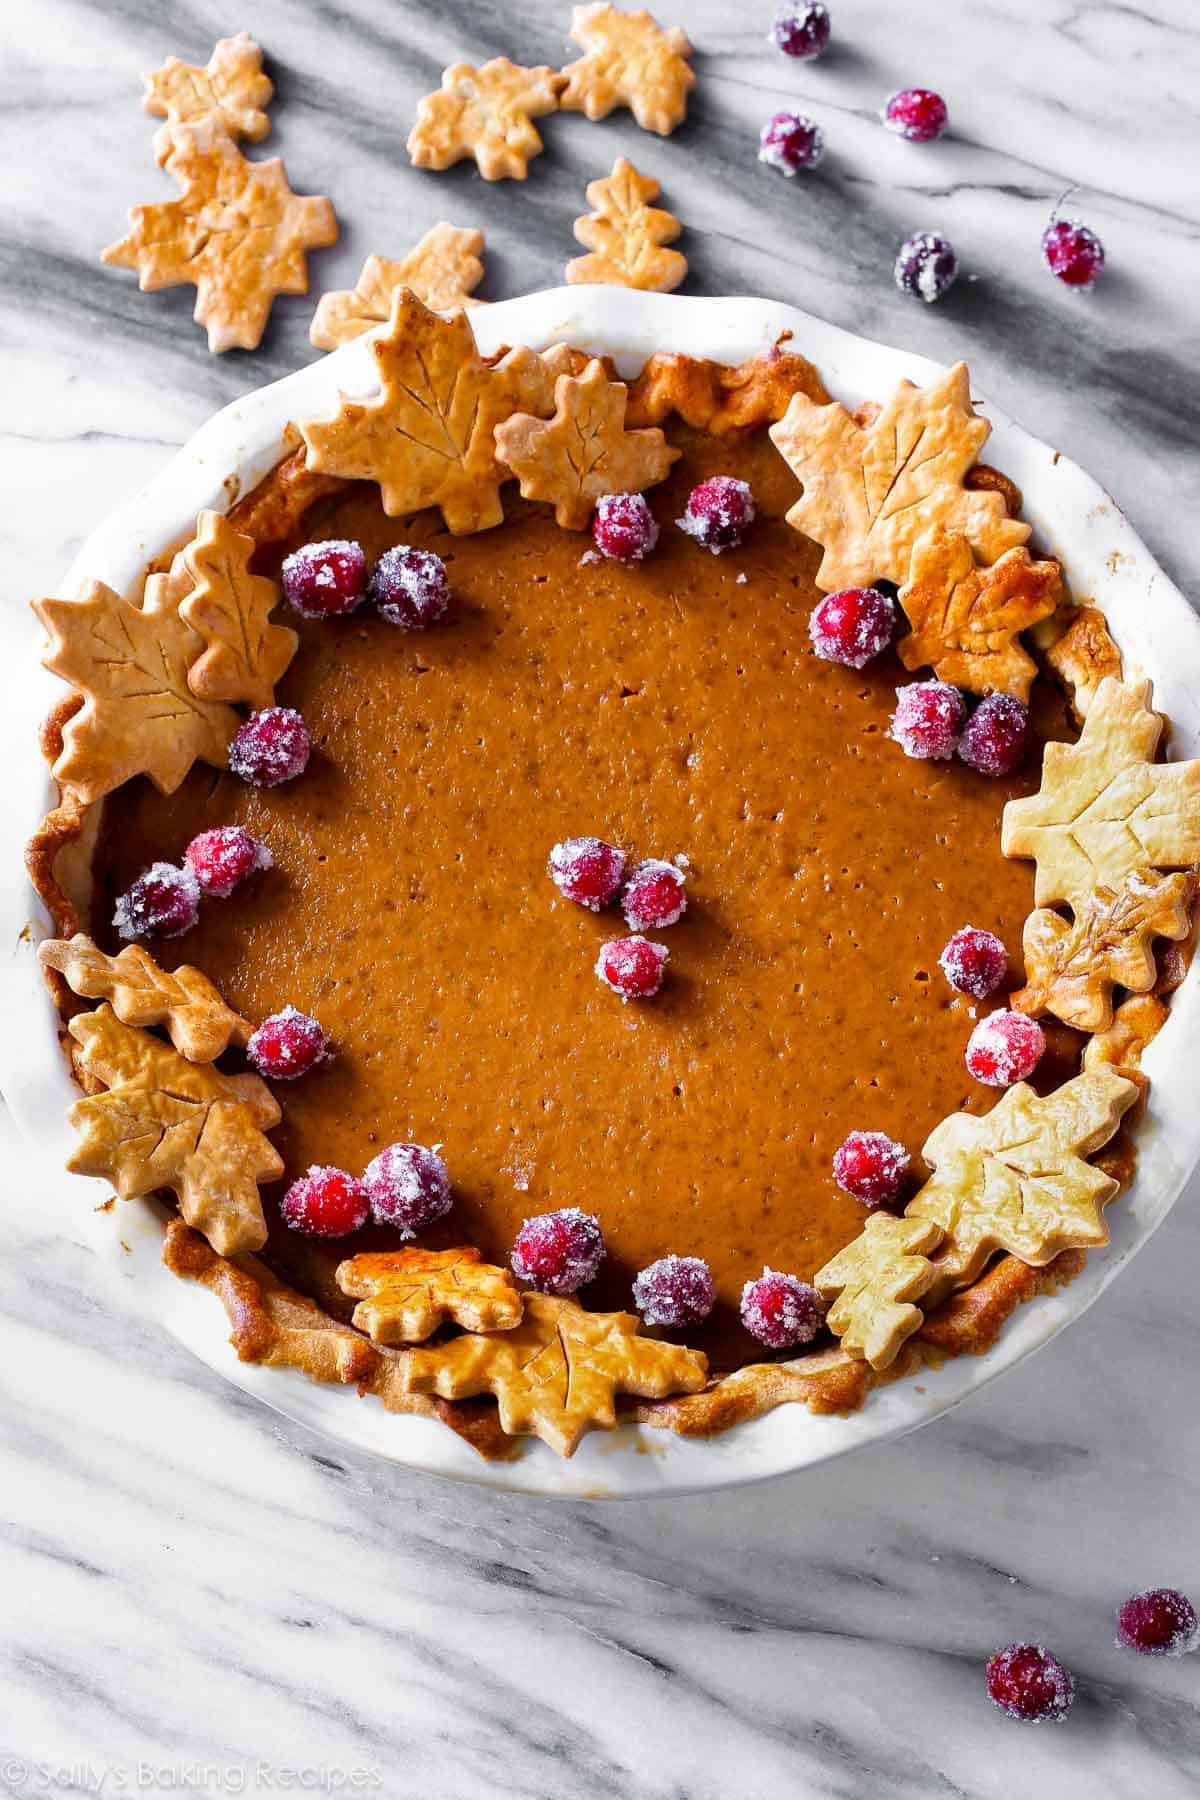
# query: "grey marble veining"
197,1596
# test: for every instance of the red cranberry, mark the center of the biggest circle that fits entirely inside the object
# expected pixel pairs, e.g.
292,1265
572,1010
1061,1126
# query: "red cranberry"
1159,1622
790,142
164,902
852,627
326,580
928,719
408,1187
1005,1047
926,265
675,1291
801,29
995,739
975,962
917,114
871,1166
326,1203
719,513
624,528
632,967
557,1252
221,859
287,1045
654,896
410,587
1027,1682
271,747
587,871
1073,253
781,1310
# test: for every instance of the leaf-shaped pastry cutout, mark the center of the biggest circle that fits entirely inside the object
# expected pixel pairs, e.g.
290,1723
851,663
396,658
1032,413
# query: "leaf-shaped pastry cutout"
631,61
723,399
1072,968
874,1283
404,1295
966,620
626,235
487,113
1083,655
230,92
200,1024
442,270
244,654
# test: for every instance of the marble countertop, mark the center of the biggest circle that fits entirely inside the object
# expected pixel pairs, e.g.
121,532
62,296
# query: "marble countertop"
199,1597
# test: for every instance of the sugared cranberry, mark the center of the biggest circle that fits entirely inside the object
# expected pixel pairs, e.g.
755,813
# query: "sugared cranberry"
1005,1047
557,1252
975,962
928,719
287,1045
587,871
852,627
781,1310
326,1203
801,29
164,902
1029,1683
871,1166
917,114
1159,1622
271,747
410,587
675,1291
326,580
408,1187
632,967
654,896
790,142
719,513
1073,253
995,739
624,528
221,859
926,265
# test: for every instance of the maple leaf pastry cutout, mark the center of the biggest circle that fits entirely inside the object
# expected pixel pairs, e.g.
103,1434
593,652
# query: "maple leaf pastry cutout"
874,1284
626,235
870,491
230,609
1071,969
442,270
237,233
487,113
404,1295
199,1023
231,92
966,620
631,61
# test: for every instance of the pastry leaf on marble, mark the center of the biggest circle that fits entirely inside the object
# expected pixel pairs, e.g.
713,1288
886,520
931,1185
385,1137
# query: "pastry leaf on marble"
630,61
244,653
966,620
404,1295
442,270
626,235
873,1283
1071,968
487,113
231,91
200,1024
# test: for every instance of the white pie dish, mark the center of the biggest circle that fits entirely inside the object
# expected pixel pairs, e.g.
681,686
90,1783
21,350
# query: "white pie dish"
1159,636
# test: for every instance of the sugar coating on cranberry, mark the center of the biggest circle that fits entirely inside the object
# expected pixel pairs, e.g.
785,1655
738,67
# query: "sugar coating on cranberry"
1158,1622
1005,1047
410,587
222,859
790,142
719,513
852,627
326,1203
287,1045
1073,253
623,527
872,1167
917,114
801,29
781,1310
557,1252
926,266
408,1187
164,902
928,719
995,738
587,871
654,896
974,961
632,967
1029,1683
325,580
675,1291
272,746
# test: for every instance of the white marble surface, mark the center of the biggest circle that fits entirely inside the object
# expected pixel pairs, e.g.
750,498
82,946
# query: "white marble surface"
199,1598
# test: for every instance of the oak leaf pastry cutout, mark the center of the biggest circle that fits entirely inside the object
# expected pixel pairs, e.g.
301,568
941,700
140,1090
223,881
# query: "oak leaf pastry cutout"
139,714
1071,969
534,375
231,92
631,61
966,620
198,1022
443,270
1135,1025
556,1373
1105,809
1082,656
404,1295
871,490
626,235
584,451
723,399
1016,1179
874,1282
230,609
486,113
237,233
166,1122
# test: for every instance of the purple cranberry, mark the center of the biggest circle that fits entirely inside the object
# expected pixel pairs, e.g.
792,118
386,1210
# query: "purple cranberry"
164,902
926,266
410,587
917,114
801,29
271,747
719,513
675,1291
995,738
408,1187
326,580
1073,253
790,142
